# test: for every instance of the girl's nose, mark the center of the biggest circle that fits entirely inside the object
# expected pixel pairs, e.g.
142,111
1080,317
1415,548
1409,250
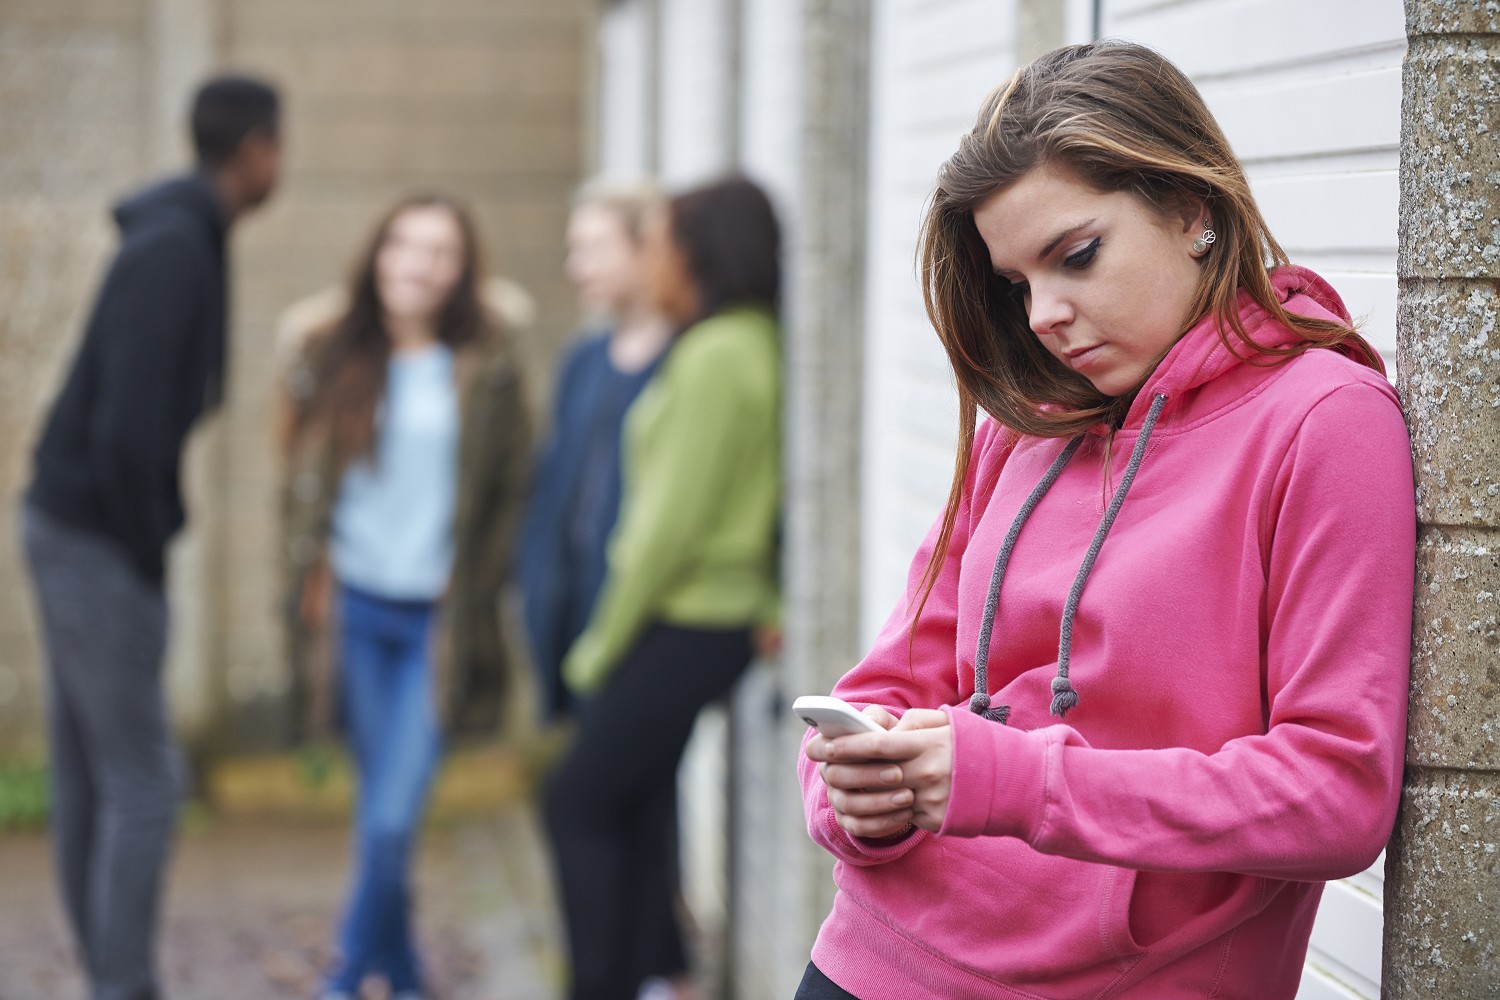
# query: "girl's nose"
1047,311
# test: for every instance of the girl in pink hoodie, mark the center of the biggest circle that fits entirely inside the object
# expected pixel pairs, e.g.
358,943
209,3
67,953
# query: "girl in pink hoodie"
1147,688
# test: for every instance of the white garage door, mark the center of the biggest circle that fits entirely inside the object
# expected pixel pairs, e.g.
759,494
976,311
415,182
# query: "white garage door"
932,62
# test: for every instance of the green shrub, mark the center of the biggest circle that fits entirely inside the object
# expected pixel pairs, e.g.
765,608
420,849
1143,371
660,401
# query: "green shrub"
23,794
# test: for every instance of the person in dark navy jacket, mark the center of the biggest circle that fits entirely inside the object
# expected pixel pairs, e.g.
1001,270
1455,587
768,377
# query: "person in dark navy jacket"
576,496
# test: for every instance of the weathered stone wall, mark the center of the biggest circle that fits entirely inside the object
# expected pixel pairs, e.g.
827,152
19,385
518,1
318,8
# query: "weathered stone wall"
482,99
75,97
1443,874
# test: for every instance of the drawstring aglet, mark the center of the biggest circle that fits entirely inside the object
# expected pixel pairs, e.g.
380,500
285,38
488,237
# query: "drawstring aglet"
1064,698
980,706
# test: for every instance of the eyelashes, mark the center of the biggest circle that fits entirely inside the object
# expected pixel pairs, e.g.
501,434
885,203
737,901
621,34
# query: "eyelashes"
1077,260
1082,258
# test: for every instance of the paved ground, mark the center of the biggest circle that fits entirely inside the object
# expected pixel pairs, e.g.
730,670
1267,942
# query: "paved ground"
251,906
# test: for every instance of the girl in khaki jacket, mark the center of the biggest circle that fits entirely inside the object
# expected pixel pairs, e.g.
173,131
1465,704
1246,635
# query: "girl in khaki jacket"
406,439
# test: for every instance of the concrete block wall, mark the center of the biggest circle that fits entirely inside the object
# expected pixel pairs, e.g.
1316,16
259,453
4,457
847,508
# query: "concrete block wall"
75,104
1444,872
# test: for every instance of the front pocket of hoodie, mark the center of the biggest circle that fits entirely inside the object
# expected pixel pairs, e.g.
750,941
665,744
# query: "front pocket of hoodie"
1048,925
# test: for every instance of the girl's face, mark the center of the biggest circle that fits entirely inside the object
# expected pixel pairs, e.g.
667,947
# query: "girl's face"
1106,278
419,263
669,277
604,263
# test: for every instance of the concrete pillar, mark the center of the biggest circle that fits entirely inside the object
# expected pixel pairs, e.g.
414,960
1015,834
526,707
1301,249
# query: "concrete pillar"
1442,896
75,80
183,39
824,408
825,351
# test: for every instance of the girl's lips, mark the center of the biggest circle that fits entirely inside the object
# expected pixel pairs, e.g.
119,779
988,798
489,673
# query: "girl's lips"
1081,359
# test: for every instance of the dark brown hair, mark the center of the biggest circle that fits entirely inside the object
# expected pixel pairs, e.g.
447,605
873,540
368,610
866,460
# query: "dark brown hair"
349,364
728,233
1119,117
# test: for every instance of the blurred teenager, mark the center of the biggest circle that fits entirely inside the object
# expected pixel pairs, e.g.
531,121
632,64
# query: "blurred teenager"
691,574
576,496
406,439
104,502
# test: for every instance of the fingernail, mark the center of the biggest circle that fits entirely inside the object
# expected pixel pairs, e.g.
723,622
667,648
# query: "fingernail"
902,797
890,775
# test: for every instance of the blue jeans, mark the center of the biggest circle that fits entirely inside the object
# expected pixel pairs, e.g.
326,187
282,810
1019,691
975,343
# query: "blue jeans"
386,685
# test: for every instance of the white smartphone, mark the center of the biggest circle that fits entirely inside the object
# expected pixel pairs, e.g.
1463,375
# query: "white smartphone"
833,716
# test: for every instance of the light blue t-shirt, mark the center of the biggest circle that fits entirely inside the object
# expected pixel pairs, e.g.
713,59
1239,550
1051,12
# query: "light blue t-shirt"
393,524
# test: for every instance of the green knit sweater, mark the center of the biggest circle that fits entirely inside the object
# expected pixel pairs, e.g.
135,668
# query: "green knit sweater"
695,543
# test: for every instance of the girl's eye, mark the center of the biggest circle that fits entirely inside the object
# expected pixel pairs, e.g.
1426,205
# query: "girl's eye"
1019,289
1082,258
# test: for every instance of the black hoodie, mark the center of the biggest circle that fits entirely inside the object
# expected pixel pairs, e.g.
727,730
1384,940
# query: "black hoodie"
151,362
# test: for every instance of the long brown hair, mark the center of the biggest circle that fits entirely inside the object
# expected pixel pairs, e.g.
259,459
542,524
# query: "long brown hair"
350,359
1120,117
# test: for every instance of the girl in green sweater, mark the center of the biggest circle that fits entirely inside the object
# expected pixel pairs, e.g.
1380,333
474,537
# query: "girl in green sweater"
691,576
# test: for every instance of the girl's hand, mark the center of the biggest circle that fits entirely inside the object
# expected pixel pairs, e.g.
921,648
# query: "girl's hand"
878,783
929,769
862,803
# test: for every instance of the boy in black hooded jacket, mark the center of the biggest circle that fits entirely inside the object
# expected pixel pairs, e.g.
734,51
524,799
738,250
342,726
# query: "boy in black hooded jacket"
103,504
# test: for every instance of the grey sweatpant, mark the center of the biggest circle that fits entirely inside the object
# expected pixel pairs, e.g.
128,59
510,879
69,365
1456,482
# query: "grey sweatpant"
115,769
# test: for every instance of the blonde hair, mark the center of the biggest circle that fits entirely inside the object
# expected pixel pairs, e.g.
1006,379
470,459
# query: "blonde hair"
631,201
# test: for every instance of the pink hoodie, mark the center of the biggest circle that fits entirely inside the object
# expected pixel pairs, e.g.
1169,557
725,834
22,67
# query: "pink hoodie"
1240,654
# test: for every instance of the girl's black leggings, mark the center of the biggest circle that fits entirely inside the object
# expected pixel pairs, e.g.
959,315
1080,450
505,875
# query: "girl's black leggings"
610,807
816,986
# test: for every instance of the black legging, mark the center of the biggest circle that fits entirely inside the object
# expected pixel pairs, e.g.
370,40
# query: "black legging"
816,986
611,807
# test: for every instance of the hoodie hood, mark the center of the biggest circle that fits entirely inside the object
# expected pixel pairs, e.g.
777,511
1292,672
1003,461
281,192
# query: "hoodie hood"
189,196
1201,355
188,204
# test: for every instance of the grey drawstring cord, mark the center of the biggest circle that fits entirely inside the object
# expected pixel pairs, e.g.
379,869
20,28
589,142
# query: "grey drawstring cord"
1064,697
980,703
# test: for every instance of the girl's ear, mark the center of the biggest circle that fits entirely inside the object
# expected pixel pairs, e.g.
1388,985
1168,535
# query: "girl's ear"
1192,214
1185,210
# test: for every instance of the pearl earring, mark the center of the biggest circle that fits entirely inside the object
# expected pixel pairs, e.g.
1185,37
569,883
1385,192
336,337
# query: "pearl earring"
1201,244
